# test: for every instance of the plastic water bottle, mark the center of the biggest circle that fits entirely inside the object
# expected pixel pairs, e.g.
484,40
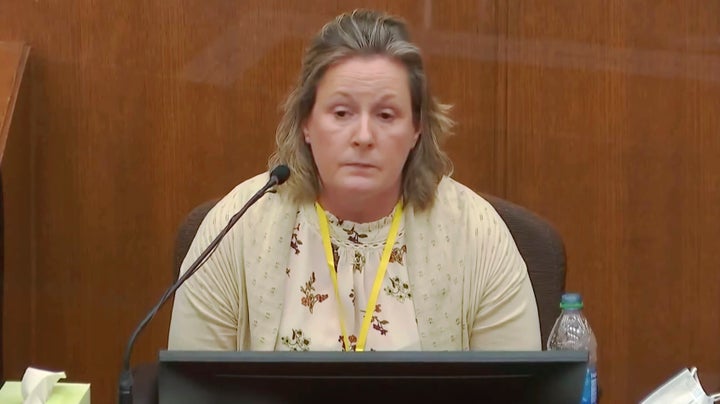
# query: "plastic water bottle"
572,332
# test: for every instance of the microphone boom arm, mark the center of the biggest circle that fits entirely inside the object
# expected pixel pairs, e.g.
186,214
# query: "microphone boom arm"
125,396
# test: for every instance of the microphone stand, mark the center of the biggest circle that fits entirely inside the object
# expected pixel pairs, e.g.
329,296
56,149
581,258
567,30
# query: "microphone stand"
125,385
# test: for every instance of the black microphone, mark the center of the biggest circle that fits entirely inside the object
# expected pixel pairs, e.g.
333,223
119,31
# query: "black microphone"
278,175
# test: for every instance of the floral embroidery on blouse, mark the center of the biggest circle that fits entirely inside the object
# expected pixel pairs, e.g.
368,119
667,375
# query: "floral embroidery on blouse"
336,256
398,289
354,236
309,299
353,342
398,254
378,324
295,243
296,342
358,262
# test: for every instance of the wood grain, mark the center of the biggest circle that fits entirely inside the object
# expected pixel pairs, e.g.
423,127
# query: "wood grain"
16,268
612,137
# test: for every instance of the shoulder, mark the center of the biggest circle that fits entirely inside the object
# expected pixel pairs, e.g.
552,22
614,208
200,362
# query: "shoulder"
234,200
466,211
456,200
248,187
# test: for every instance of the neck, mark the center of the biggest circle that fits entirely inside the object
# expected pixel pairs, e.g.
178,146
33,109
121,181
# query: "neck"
358,210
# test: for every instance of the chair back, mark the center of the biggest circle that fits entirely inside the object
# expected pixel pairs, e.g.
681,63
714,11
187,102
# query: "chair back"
186,232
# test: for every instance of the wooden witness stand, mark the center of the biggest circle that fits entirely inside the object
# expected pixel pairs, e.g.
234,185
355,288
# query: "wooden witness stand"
13,58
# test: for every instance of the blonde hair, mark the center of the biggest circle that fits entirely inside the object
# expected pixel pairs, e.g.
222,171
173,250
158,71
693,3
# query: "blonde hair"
360,33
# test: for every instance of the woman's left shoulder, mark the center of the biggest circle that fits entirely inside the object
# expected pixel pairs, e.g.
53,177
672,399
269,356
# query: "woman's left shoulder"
456,195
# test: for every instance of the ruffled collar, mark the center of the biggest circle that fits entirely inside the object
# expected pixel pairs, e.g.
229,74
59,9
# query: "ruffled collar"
347,232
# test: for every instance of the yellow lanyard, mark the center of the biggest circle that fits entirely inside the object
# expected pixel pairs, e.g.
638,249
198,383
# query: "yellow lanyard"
370,309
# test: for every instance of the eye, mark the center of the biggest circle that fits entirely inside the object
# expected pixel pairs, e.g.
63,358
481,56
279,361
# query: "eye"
341,112
386,115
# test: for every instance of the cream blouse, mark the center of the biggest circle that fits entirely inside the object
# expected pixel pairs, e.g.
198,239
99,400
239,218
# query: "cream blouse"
311,319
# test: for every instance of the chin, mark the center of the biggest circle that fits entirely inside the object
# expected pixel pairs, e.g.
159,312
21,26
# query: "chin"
356,190
359,186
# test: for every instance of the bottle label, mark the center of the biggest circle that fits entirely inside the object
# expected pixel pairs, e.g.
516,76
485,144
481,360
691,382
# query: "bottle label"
590,389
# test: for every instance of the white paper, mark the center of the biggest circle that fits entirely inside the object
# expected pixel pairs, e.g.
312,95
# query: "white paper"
37,384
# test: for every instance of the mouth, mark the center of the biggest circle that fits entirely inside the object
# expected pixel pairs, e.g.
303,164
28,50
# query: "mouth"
359,165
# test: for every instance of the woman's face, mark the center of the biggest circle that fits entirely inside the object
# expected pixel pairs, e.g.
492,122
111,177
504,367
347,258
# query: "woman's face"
361,128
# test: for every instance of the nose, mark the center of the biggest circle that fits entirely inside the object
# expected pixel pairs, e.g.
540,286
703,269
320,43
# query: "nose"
363,136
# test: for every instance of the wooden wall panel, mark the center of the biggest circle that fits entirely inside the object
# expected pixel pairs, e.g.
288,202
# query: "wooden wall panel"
462,48
137,112
612,134
17,268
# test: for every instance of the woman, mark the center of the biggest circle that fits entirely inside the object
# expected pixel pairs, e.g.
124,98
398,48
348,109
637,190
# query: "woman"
370,245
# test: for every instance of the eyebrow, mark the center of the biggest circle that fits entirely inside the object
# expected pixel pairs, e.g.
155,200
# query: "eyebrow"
384,97
389,95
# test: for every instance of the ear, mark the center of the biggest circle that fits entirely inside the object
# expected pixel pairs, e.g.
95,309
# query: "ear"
416,138
306,133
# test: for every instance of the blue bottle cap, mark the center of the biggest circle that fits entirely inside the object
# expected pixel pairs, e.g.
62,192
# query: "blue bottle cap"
571,301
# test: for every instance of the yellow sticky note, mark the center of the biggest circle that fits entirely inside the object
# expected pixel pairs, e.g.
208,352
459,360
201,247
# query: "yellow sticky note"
62,393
